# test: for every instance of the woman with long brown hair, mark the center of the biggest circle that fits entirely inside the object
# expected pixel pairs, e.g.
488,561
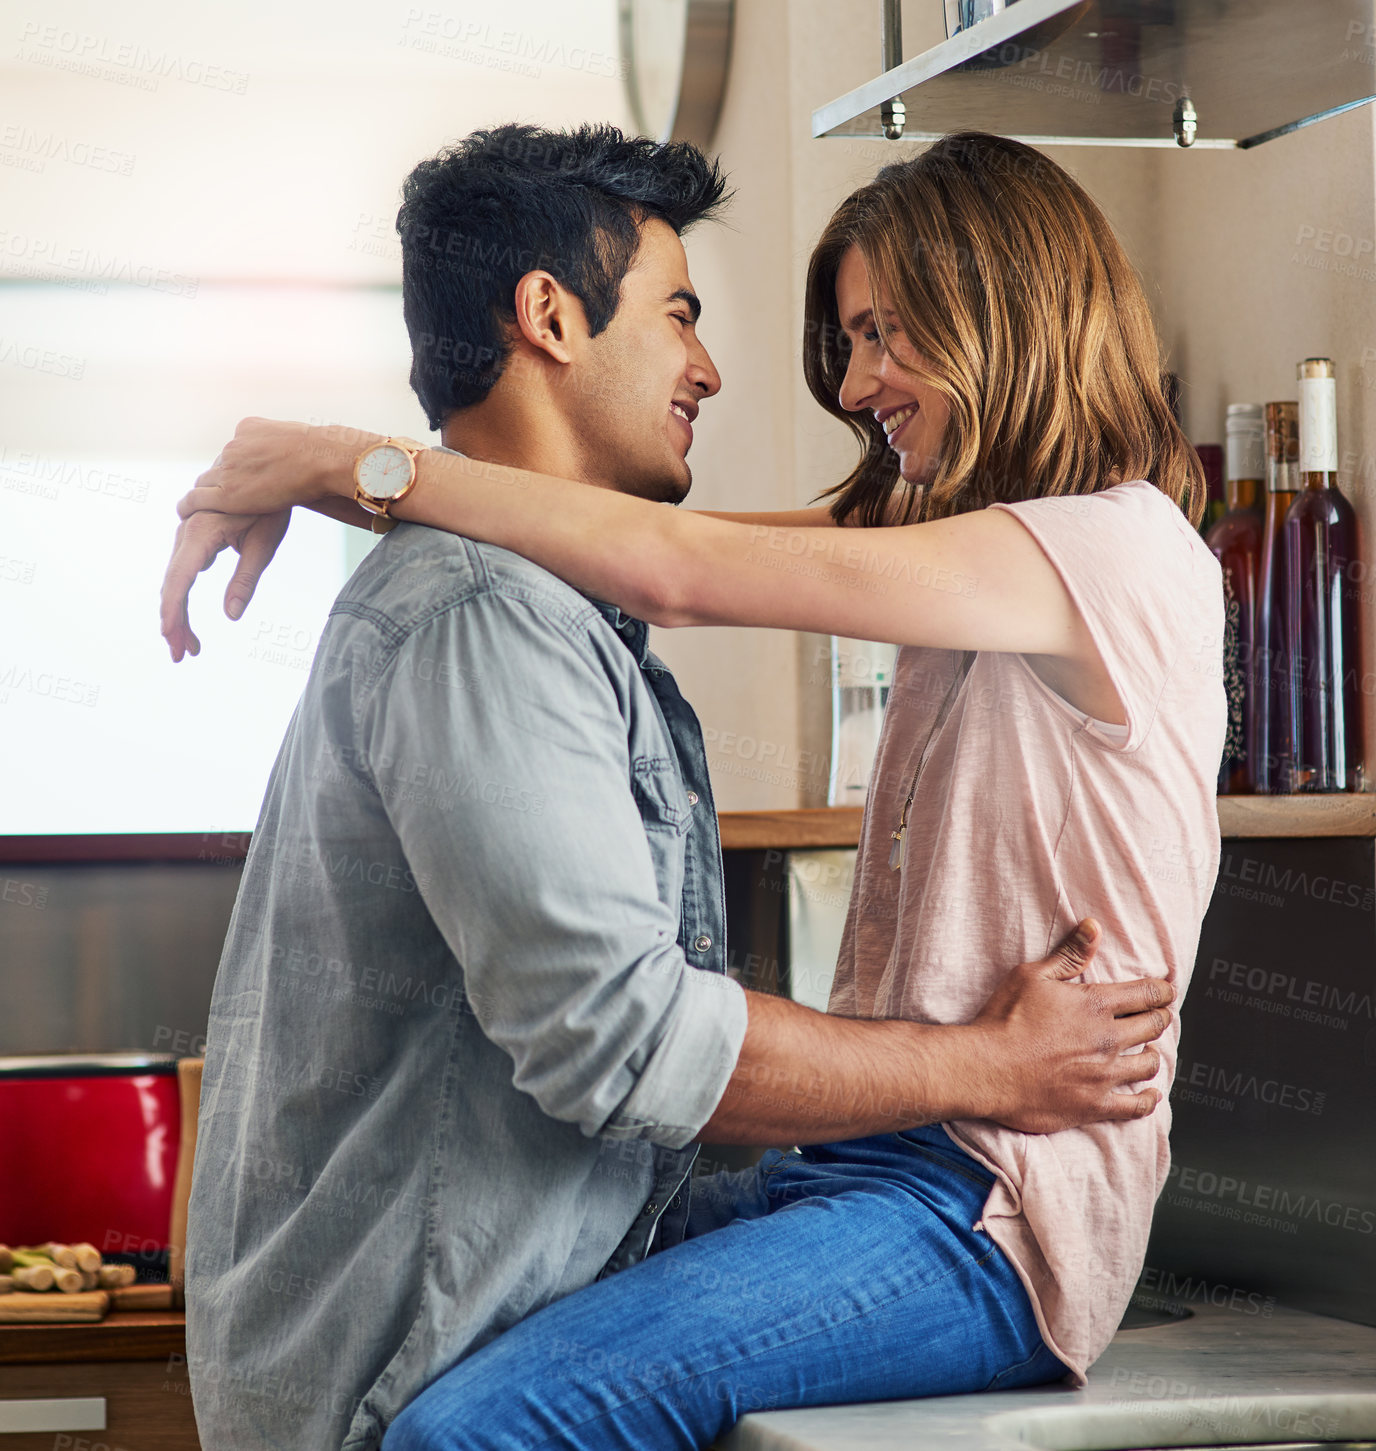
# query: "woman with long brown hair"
1024,502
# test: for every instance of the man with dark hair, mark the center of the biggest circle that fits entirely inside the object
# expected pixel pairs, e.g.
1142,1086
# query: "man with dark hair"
473,1015
480,215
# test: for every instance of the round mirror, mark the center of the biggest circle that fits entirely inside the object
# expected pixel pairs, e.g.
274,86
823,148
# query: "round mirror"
676,54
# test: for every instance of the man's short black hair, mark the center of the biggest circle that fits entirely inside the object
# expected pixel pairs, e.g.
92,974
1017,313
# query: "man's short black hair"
516,199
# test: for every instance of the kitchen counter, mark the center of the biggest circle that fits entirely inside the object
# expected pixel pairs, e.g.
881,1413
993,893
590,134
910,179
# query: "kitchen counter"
121,1335
120,1383
1219,1378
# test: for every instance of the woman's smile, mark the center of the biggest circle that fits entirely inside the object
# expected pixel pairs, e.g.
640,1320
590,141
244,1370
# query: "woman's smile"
894,421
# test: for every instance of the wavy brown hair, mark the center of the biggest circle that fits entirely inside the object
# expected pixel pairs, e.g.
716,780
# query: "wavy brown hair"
1028,319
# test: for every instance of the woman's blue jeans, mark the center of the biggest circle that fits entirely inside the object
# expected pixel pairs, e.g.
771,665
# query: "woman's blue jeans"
844,1272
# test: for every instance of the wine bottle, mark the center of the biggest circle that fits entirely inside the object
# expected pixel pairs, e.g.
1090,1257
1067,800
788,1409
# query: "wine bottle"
1322,602
1270,678
1211,459
1236,543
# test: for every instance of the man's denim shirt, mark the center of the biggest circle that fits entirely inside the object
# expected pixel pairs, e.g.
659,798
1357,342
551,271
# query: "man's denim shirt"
458,1047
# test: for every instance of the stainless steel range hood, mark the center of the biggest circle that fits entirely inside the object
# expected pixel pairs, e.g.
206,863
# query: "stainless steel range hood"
1125,73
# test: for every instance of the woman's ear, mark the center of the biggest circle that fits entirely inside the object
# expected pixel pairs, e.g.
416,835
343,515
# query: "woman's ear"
547,314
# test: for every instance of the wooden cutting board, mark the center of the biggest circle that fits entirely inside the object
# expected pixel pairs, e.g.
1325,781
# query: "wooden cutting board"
25,1307
141,1297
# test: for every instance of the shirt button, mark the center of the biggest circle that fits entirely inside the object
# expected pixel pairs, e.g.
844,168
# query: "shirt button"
702,943
651,1207
692,798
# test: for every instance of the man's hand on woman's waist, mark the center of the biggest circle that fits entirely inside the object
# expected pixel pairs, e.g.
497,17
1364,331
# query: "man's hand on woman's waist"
1044,1054
1057,1051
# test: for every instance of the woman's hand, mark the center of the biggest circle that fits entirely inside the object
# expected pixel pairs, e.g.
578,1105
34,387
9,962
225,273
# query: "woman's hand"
244,500
200,539
269,465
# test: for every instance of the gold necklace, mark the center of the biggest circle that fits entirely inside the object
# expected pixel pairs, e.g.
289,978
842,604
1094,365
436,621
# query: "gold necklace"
896,850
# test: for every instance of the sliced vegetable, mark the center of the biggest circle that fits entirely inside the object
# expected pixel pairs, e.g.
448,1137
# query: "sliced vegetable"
35,1277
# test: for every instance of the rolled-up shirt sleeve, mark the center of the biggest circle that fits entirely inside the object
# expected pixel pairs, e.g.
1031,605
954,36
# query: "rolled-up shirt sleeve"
497,739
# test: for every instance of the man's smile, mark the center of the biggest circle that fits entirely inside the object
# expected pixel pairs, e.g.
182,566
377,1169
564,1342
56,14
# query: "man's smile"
682,412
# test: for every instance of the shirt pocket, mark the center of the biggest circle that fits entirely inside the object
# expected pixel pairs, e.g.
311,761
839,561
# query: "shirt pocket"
665,814
660,796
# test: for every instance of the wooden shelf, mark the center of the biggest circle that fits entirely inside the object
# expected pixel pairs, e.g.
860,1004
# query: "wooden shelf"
740,831
790,830
122,1335
1338,815
1238,816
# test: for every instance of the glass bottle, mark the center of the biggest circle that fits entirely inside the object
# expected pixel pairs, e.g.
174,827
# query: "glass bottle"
861,673
1322,601
1270,678
1211,459
1235,541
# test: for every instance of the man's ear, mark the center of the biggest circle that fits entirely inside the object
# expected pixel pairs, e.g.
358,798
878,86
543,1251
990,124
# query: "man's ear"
548,316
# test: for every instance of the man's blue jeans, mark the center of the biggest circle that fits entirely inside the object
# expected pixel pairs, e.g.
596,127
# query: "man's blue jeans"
844,1272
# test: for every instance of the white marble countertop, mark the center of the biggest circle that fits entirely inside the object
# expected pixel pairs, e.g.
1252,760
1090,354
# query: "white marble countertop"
1220,1378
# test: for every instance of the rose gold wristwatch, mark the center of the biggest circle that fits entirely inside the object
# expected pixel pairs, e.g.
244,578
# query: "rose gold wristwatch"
383,473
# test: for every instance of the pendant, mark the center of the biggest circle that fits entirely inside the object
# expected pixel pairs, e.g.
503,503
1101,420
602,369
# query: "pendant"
896,852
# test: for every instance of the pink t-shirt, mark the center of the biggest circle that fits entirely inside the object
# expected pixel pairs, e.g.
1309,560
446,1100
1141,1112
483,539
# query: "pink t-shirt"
1028,816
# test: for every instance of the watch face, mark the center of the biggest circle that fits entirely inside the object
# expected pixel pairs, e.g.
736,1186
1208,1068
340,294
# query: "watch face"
384,471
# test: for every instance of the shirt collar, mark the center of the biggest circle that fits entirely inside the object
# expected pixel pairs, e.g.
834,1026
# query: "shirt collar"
635,634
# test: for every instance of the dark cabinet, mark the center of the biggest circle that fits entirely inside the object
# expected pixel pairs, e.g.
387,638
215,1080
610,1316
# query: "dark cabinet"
1272,1189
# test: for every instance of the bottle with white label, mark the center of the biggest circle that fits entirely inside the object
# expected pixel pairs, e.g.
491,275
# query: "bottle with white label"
1322,601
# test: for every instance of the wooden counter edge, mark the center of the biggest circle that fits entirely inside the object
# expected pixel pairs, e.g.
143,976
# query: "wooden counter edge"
122,1335
1238,816
1337,815
810,827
